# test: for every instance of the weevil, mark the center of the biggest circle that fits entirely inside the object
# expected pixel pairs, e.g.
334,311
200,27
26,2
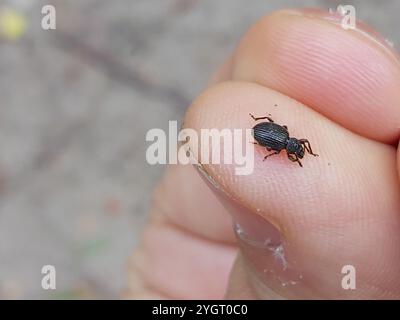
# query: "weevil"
275,137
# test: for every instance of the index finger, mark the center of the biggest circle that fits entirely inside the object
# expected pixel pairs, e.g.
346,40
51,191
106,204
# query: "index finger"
349,76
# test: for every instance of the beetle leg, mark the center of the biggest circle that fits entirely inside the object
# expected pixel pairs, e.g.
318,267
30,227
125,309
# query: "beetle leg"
253,142
271,154
294,158
258,118
307,146
285,126
261,118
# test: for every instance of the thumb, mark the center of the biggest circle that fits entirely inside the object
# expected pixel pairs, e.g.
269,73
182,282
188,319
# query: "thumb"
298,227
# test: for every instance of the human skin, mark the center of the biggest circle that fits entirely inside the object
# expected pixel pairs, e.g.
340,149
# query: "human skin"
339,89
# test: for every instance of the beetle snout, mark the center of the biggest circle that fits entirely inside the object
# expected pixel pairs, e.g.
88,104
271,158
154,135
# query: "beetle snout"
300,153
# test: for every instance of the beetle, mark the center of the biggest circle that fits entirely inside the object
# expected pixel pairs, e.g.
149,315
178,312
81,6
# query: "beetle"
275,137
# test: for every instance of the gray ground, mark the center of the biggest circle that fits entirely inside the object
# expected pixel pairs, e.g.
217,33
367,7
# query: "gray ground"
75,106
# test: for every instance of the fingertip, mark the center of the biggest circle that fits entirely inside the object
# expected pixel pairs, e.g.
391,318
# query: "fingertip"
320,209
349,76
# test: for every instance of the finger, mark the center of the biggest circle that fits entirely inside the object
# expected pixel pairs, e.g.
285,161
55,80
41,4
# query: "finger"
191,208
339,209
177,265
188,247
349,76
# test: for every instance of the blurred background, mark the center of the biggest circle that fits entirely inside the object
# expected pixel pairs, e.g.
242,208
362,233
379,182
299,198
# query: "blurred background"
75,106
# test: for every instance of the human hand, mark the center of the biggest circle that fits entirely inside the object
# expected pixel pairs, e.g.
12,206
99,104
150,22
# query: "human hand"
296,227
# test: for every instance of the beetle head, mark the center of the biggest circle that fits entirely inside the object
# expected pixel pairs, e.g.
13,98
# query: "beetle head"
294,146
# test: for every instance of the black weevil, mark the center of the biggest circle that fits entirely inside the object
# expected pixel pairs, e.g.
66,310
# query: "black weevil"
275,137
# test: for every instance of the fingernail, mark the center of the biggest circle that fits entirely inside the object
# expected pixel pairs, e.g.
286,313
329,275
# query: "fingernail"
334,17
